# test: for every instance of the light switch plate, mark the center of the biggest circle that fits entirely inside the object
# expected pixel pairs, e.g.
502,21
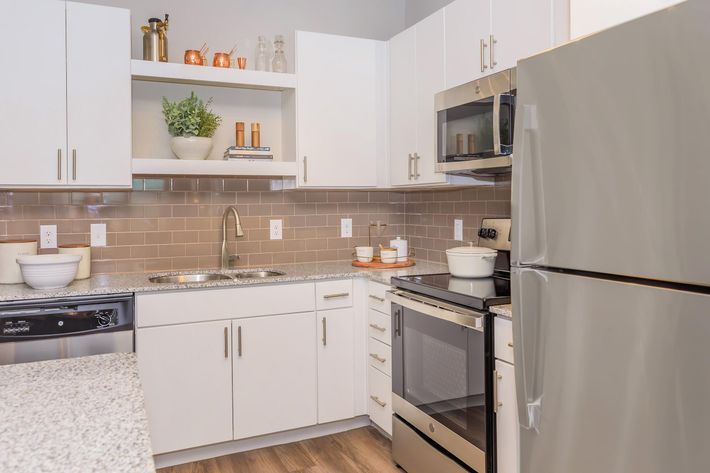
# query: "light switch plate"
48,236
98,234
346,227
275,229
458,229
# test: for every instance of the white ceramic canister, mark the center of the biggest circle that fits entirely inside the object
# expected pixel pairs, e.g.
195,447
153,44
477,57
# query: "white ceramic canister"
9,251
83,250
402,249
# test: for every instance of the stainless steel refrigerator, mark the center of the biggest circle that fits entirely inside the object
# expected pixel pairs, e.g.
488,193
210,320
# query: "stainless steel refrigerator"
611,249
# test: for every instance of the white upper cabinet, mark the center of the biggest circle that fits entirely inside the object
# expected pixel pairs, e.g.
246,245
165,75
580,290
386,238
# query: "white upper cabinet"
33,93
590,16
520,28
65,120
468,28
98,95
340,121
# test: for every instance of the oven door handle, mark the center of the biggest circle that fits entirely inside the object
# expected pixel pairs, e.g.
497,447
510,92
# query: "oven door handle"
438,309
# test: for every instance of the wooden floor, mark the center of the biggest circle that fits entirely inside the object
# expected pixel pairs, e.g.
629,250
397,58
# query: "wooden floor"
362,450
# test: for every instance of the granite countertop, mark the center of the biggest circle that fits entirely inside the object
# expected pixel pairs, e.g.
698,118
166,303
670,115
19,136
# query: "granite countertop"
74,415
138,282
506,310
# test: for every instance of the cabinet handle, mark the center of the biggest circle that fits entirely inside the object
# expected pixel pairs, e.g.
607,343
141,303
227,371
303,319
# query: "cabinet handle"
496,377
483,55
239,340
397,323
375,356
59,164
336,295
325,332
377,327
377,400
305,169
377,298
73,168
491,58
226,342
510,344
409,167
416,165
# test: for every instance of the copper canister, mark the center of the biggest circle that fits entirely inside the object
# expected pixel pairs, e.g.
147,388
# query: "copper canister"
192,56
239,126
255,135
221,60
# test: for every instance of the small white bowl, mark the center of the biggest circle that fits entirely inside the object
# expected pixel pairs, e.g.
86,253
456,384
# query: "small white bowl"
364,253
48,271
388,256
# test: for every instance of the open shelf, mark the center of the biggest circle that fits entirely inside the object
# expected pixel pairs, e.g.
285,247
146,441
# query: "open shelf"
173,167
215,76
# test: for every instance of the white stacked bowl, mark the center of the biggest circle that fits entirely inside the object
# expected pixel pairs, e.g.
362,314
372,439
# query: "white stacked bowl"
48,271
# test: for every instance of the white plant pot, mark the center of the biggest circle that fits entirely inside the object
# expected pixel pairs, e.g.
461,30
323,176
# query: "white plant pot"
191,147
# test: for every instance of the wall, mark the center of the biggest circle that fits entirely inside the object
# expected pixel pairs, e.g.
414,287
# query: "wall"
416,10
223,23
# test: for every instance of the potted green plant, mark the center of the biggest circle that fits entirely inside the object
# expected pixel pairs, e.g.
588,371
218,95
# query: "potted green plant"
192,125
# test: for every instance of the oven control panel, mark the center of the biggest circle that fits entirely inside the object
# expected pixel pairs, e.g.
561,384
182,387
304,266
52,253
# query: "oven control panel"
495,233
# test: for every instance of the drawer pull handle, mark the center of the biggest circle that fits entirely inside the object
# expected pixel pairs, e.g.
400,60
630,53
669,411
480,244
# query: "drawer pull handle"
377,327
377,400
377,298
510,344
336,295
377,357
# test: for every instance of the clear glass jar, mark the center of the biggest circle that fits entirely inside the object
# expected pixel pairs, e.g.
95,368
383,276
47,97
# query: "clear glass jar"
278,64
261,60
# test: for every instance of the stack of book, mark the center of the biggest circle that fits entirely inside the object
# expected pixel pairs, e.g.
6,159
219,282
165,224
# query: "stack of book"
248,152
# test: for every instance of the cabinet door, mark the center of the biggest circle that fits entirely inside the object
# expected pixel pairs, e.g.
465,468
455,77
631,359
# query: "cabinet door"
338,111
336,375
468,22
274,374
186,373
98,95
506,419
590,16
33,93
521,28
403,107
430,79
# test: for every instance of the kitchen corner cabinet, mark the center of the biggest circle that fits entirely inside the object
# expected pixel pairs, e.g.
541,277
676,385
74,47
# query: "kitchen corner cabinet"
274,374
417,73
65,119
336,358
186,373
341,120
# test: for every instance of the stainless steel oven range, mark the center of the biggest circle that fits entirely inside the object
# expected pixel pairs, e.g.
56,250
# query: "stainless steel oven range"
442,372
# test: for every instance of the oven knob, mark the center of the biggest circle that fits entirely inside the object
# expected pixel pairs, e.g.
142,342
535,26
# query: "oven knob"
483,232
492,233
431,428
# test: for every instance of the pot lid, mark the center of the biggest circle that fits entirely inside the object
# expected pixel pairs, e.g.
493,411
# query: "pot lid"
471,250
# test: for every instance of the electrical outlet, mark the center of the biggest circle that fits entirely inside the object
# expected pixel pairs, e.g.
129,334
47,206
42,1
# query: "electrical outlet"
48,236
275,229
346,227
458,229
98,234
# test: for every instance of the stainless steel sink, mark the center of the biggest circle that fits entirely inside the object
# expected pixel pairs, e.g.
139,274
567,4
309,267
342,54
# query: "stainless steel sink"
257,274
186,278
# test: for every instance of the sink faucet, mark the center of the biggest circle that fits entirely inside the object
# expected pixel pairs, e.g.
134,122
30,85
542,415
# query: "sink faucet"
226,257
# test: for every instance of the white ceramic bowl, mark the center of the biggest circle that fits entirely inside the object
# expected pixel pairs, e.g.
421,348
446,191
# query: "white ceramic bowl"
364,253
388,256
48,271
471,261
191,147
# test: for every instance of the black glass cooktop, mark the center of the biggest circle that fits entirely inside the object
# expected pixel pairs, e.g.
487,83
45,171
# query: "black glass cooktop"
477,293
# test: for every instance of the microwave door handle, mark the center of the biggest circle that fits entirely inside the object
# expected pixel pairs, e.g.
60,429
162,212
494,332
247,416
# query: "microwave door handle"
496,124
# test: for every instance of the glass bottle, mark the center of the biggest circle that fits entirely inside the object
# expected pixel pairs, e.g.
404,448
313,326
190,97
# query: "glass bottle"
279,62
261,62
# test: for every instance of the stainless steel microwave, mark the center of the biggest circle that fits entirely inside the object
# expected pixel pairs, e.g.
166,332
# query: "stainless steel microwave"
475,126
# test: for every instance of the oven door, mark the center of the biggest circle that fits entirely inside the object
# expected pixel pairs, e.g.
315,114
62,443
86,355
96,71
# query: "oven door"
440,381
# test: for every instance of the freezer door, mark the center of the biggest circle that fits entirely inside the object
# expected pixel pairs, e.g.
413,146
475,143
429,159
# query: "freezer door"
610,376
612,156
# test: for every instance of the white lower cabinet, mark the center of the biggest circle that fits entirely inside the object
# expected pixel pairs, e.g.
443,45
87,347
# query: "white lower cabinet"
506,418
336,376
380,398
274,373
186,373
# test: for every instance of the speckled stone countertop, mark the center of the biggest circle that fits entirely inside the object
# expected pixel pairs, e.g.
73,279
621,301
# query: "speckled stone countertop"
138,282
74,415
506,310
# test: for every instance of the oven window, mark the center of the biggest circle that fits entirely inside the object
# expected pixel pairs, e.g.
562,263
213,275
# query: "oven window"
444,373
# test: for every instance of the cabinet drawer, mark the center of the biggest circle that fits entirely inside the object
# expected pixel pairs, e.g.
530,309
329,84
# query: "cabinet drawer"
376,299
504,339
334,294
380,399
379,326
379,356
